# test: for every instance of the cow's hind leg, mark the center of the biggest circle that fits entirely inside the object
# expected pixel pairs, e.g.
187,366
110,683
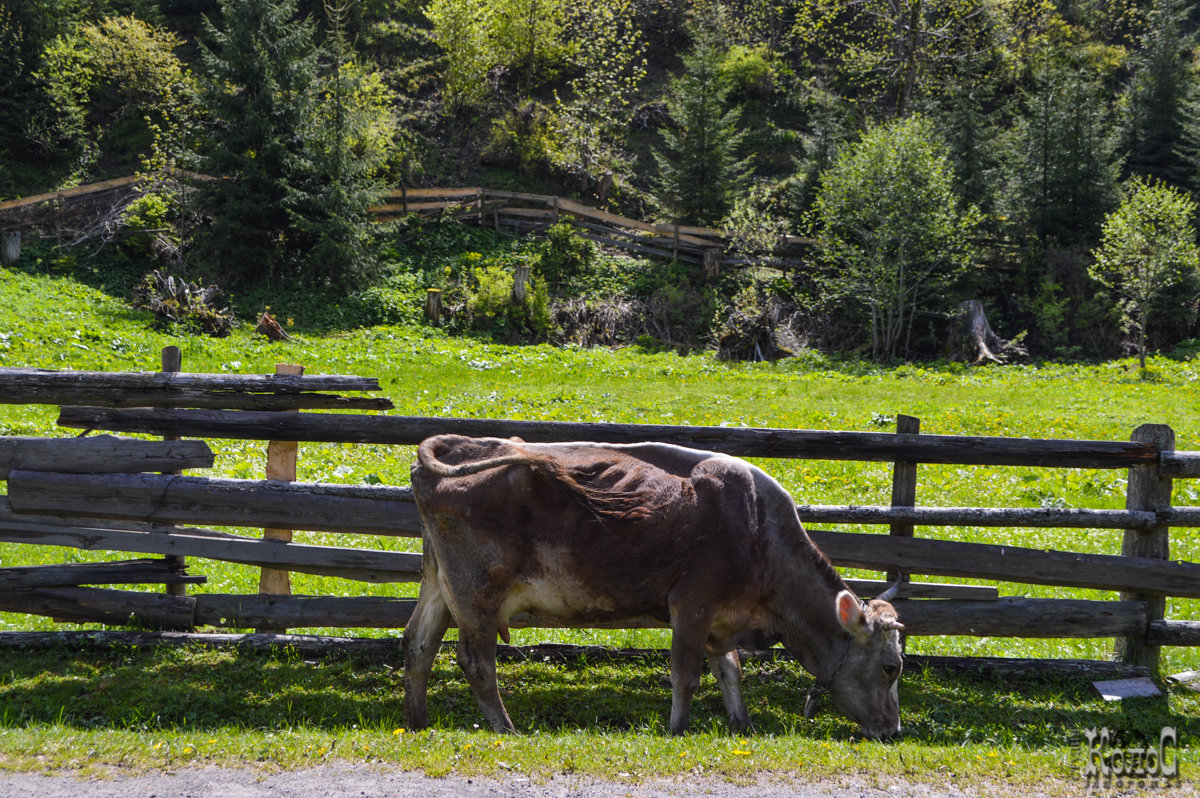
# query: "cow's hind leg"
477,658
728,670
688,634
422,637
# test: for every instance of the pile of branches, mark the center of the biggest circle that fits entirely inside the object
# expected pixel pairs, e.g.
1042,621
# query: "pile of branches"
175,301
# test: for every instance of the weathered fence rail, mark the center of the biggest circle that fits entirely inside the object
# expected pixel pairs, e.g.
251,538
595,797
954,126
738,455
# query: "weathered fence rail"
110,504
741,442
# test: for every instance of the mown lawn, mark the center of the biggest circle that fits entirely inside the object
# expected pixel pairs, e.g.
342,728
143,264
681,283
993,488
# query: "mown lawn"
154,709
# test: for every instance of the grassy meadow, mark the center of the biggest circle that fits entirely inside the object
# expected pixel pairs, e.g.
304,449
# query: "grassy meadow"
167,708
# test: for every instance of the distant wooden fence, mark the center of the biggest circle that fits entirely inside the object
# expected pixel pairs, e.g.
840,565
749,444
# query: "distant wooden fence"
509,210
526,213
94,493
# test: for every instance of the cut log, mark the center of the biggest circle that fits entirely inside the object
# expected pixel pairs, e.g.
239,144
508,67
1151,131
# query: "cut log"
981,339
100,454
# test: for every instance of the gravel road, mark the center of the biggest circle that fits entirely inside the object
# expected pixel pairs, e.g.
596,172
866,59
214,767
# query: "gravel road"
345,781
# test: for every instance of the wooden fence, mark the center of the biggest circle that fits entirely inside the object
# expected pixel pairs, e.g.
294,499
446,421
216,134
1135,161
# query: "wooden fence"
503,210
97,493
526,213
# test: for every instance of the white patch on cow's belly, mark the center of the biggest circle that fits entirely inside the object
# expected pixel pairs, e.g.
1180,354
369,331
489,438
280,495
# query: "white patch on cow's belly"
556,592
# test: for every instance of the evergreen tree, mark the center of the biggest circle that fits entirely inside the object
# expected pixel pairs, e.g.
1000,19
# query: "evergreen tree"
1158,96
346,147
258,93
699,172
1066,175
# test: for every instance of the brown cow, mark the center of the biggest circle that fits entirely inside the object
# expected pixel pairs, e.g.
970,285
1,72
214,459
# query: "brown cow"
588,532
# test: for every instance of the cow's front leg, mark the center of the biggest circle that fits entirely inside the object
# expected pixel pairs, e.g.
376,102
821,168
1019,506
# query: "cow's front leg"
728,670
422,636
689,630
477,658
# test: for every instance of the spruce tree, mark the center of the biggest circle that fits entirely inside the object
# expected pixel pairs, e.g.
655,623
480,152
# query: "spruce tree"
258,90
1068,167
347,141
1158,96
699,171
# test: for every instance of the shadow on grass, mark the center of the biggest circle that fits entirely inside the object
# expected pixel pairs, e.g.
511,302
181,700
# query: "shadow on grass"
201,690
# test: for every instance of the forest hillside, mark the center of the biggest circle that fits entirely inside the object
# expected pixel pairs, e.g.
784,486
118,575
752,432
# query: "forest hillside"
1039,157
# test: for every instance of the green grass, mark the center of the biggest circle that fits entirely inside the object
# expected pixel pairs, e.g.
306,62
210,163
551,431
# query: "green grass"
149,710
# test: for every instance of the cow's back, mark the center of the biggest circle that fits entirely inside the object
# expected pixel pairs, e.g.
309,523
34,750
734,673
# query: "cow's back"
590,533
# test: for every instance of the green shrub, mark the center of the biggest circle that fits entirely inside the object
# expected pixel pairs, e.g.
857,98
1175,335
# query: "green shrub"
491,308
749,71
564,254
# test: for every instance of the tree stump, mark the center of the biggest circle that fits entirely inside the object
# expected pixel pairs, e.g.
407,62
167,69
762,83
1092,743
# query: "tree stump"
269,326
520,284
433,306
10,246
977,335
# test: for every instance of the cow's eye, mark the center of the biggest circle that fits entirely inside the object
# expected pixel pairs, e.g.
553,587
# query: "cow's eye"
892,671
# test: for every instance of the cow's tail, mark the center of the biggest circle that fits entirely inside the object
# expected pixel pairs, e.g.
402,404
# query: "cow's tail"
430,461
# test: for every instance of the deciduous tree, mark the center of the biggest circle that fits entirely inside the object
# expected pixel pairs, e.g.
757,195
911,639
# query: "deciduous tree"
895,239
1148,256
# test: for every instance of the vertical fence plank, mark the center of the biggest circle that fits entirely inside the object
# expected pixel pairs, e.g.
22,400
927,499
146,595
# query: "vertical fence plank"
904,484
281,466
172,361
904,494
1148,490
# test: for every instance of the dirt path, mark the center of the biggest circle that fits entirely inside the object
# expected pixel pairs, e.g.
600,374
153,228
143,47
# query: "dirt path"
345,781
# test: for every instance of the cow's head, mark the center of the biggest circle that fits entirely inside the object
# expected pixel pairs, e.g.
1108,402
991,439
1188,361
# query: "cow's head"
864,685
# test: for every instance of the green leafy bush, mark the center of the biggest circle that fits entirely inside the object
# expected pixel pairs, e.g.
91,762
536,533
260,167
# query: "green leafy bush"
492,309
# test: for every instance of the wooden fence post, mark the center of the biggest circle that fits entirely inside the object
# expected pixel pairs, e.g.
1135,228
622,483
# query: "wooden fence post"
281,467
1147,490
904,494
904,485
172,361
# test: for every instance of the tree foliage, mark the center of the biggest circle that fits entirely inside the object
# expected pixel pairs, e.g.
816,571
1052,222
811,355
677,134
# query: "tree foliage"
699,171
1148,256
298,143
116,88
895,240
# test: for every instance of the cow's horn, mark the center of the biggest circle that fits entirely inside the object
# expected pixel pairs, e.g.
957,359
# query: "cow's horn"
891,592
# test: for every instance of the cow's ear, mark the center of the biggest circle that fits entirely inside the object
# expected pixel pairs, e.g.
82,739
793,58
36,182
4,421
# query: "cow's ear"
850,614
